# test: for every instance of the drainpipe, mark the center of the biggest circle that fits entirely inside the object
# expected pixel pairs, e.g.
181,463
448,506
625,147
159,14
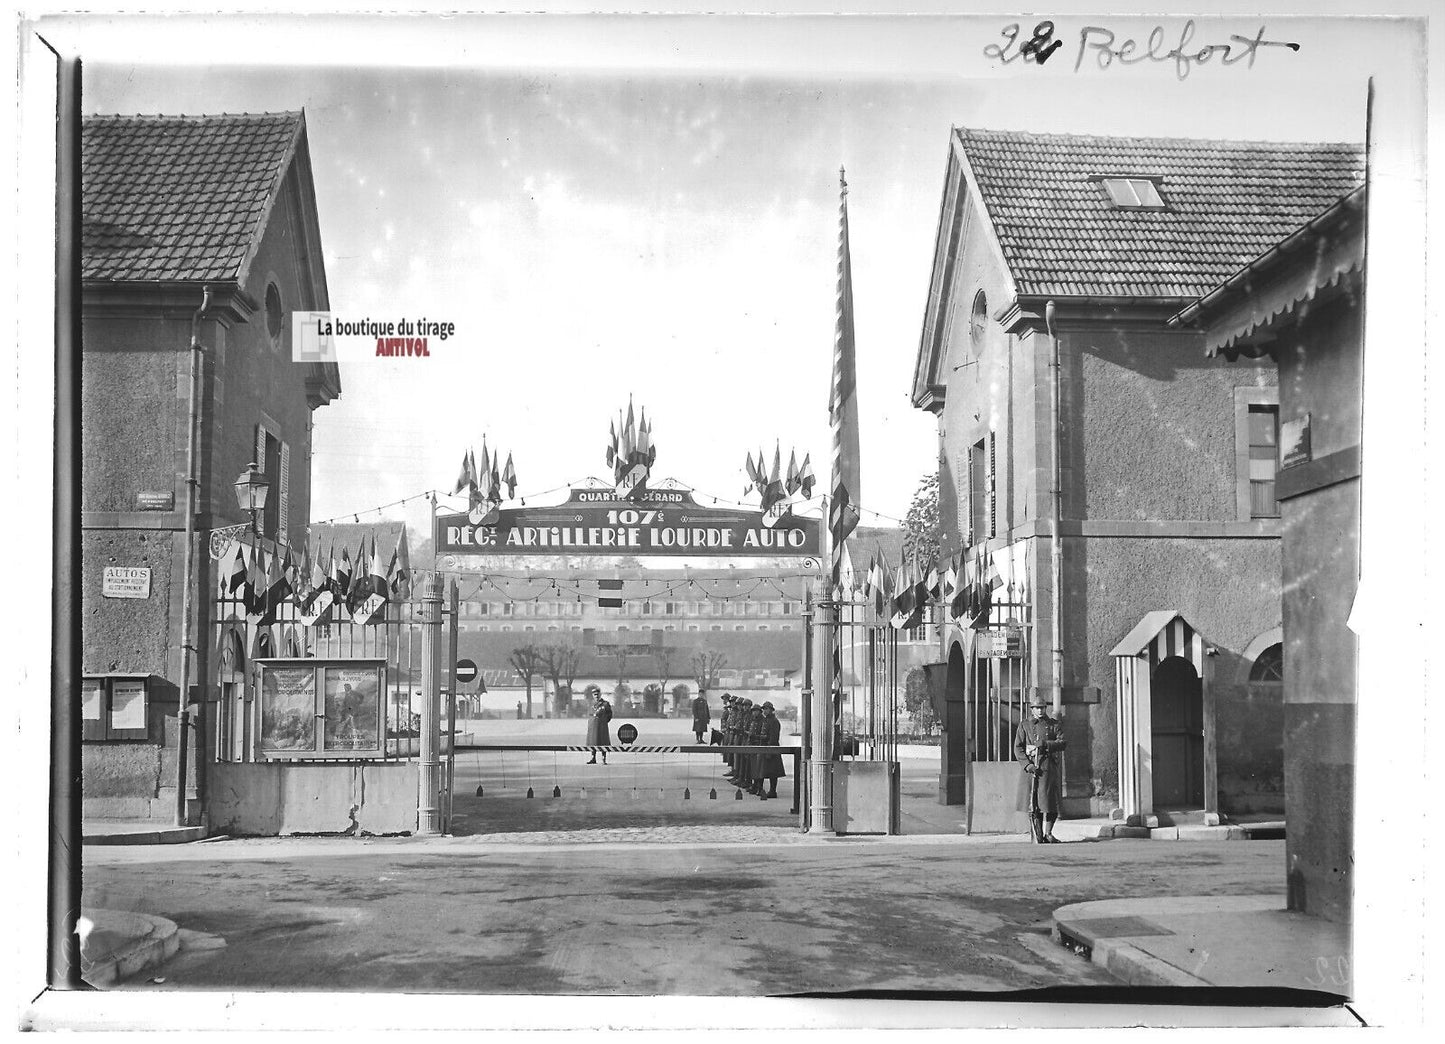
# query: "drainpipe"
1056,547
188,637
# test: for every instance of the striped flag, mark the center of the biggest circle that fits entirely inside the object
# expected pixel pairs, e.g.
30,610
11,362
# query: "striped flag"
846,574
806,478
774,491
790,483
340,574
902,601
398,573
509,476
464,477
843,401
611,445
236,580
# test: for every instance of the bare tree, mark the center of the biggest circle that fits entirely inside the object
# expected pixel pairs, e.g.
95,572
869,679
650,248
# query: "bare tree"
559,662
527,661
663,655
706,666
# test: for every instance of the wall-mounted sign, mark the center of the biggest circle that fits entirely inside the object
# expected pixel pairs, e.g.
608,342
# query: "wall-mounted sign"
155,500
659,522
126,582
1000,643
1294,441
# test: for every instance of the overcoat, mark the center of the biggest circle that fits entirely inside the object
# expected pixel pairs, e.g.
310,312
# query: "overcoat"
598,735
753,737
1039,792
772,767
701,713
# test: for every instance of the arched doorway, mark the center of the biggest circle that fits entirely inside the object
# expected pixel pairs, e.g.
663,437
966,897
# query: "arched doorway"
1176,712
952,717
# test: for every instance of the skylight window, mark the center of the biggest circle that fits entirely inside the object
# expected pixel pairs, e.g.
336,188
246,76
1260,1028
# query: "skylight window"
1133,193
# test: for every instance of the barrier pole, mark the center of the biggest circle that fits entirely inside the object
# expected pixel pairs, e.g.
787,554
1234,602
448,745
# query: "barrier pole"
428,783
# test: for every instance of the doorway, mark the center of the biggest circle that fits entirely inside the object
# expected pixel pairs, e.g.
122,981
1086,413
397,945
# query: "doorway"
1176,706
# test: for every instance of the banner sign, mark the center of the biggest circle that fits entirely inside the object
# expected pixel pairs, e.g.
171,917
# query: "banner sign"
656,522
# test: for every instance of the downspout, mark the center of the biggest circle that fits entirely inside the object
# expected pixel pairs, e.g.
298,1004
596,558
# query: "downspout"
188,637
1056,547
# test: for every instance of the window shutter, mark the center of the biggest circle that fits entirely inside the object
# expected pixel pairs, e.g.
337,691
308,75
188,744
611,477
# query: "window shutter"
992,489
967,513
284,492
260,457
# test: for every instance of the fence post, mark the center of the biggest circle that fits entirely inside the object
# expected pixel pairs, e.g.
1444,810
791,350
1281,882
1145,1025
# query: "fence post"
820,766
429,782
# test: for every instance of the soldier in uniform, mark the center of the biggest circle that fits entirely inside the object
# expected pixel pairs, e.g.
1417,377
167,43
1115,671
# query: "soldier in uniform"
598,734
701,714
772,764
1037,745
725,725
757,735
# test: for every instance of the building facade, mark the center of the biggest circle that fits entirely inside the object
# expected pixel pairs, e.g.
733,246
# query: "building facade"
175,208
1301,304
1048,358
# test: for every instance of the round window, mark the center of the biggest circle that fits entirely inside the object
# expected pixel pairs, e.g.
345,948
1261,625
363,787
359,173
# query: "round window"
274,313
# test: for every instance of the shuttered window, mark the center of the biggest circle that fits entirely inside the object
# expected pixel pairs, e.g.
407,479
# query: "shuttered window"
273,457
283,501
992,487
979,495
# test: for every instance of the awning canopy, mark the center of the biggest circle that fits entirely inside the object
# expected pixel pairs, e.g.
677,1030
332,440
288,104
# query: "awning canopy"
1161,634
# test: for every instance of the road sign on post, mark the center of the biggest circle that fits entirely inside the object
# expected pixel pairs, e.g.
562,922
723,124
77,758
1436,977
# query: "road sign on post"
466,671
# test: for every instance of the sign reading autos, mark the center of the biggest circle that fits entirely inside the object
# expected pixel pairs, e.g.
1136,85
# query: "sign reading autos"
659,522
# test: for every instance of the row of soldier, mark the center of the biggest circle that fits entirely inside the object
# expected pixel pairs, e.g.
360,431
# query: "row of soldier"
744,725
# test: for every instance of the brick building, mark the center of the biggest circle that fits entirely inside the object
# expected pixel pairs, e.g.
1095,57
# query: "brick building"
172,206
1069,254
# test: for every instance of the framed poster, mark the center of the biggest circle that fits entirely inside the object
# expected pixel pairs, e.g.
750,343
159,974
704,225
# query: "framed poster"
288,709
314,708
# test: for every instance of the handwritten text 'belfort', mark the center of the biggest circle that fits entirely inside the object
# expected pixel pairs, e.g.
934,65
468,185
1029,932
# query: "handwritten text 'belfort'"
1105,47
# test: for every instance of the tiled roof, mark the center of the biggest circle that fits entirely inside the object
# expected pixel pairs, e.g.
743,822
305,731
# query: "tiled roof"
177,197
1228,201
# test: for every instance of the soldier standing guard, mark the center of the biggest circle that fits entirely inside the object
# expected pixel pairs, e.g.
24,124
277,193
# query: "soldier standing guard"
772,764
1037,744
725,725
701,714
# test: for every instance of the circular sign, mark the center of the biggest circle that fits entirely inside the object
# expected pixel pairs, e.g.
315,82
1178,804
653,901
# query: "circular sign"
466,671
627,734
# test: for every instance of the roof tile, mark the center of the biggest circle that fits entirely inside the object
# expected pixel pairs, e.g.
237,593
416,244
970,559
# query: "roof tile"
177,197
1229,201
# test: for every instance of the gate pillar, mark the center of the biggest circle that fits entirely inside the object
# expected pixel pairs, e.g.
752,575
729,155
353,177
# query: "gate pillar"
428,819
820,768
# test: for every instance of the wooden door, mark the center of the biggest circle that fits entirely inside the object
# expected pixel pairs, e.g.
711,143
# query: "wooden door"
1176,704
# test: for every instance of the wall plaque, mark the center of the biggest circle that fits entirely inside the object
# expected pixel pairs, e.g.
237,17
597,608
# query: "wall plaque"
126,582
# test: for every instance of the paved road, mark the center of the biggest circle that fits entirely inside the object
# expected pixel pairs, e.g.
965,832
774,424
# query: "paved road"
642,916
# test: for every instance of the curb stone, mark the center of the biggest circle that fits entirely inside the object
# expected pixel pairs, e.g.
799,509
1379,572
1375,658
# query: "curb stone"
151,941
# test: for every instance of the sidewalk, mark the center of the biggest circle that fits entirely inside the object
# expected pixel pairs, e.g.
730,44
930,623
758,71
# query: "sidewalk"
1246,940
136,832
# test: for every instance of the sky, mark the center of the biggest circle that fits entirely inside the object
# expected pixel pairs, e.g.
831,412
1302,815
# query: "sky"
607,228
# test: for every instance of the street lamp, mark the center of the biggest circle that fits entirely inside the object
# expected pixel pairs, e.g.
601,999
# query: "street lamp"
251,489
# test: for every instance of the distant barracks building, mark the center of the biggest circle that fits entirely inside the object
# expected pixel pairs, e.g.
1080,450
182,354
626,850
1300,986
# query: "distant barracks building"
1075,252
172,204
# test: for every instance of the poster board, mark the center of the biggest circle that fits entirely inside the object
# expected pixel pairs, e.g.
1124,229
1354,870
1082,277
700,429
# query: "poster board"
312,708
